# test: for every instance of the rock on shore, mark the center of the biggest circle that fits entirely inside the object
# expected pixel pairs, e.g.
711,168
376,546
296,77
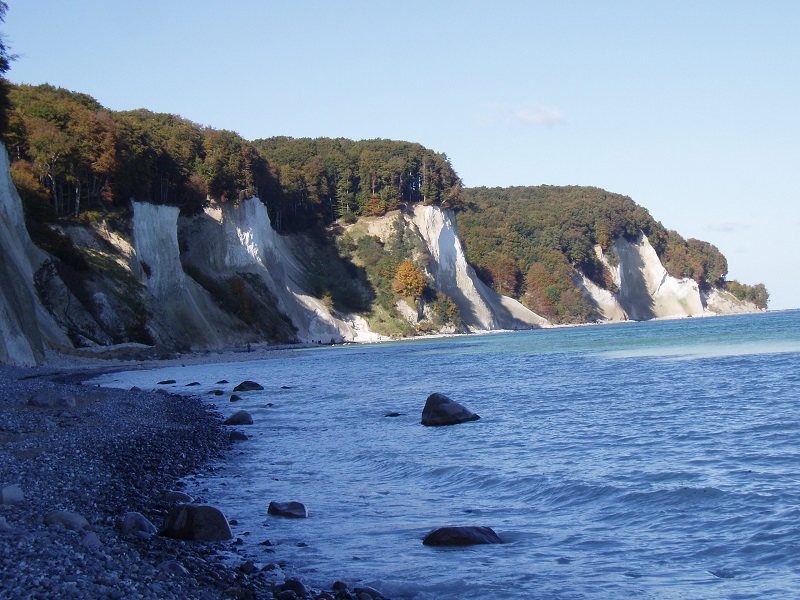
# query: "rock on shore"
83,480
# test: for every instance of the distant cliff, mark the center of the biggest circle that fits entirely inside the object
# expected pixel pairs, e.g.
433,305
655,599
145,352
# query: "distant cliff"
224,277
645,290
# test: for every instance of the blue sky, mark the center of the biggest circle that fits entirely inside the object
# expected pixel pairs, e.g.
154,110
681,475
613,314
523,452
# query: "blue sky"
691,108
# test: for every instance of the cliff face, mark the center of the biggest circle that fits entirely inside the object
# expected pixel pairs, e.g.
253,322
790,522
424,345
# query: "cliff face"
239,242
26,328
647,291
226,278
481,307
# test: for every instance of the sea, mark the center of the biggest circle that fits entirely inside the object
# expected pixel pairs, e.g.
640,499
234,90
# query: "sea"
635,460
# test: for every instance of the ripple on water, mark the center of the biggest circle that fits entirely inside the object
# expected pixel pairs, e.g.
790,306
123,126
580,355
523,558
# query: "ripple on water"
652,460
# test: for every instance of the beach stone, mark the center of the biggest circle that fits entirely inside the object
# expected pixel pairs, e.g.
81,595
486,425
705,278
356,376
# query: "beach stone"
197,522
193,383
241,417
173,496
235,398
136,523
136,388
166,382
441,410
291,510
70,520
370,593
91,541
12,494
393,414
461,536
248,386
51,399
294,585
172,567
4,526
217,392
222,381
238,436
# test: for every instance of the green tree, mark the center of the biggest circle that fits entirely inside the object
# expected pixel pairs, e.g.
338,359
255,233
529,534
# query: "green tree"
5,62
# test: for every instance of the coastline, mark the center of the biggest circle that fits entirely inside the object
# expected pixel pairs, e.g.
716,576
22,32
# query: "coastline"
101,453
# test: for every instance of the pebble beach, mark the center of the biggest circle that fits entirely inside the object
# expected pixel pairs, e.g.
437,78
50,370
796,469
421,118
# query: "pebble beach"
76,461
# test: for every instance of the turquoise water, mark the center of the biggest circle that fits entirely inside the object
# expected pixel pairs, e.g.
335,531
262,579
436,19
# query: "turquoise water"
650,460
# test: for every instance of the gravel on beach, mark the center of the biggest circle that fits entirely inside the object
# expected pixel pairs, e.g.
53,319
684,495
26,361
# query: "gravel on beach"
101,453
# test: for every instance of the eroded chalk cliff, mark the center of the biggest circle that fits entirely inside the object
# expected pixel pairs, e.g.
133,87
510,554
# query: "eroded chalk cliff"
226,278
26,327
644,290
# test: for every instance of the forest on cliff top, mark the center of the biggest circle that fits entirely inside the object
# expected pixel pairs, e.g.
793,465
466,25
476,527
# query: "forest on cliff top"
73,159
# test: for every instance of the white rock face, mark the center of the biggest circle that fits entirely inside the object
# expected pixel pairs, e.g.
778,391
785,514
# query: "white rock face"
481,307
720,302
241,239
184,311
26,328
647,291
605,303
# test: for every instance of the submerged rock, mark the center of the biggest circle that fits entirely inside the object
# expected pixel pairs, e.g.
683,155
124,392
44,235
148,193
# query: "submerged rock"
461,536
292,510
248,386
166,382
241,417
238,436
198,522
441,410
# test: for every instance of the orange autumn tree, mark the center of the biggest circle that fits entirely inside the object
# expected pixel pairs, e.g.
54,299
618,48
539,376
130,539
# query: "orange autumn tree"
408,281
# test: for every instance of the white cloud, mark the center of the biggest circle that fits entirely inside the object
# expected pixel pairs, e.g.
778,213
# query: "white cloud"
533,114
724,226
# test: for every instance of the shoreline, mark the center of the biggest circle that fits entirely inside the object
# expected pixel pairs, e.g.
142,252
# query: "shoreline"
101,453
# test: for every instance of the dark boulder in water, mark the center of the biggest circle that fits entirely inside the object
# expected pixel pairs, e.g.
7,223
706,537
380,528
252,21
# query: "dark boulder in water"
292,510
295,587
197,522
166,382
441,410
461,536
241,417
248,386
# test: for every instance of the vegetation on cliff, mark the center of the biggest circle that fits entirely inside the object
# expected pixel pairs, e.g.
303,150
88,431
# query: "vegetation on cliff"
71,155
527,242
74,159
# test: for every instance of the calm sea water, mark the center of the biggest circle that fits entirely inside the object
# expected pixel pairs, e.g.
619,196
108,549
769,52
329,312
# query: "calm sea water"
649,460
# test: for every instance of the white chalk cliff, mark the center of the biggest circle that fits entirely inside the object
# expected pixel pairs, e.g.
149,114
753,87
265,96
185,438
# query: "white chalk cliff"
647,291
184,312
482,309
162,279
228,239
26,328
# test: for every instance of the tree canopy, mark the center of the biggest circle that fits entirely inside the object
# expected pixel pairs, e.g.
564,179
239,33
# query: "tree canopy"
528,241
327,179
86,157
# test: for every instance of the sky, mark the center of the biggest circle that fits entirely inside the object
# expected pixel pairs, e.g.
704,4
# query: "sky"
691,108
